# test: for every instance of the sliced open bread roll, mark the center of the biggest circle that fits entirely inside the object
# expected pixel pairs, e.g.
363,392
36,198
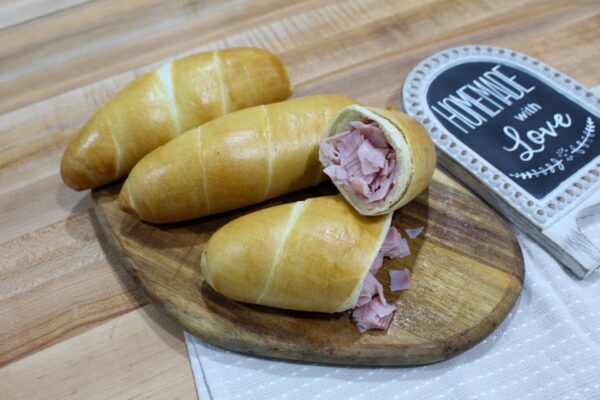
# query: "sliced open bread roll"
378,159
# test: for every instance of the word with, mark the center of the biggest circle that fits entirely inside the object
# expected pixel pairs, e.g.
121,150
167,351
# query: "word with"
527,111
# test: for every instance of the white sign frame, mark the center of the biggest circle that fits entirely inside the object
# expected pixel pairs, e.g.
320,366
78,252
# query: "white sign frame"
551,220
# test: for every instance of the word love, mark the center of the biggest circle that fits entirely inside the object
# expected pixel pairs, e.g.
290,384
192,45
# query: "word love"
535,139
485,97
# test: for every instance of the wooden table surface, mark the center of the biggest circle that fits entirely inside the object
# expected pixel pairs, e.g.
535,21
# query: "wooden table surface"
72,323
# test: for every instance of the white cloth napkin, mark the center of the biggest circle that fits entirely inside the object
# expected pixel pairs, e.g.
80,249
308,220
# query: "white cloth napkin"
547,348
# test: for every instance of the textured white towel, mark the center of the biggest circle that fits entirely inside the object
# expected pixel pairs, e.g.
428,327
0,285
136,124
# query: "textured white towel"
547,348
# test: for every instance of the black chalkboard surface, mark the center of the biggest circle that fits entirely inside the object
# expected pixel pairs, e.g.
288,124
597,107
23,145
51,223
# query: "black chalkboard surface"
521,134
526,129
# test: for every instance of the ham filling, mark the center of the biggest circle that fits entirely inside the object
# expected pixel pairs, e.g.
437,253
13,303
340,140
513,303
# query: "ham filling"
362,161
372,311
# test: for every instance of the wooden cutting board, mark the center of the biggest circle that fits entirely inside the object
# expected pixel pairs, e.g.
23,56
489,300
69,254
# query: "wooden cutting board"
466,274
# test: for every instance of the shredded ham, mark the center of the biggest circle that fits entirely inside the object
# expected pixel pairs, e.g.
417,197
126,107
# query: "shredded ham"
413,233
371,287
372,311
399,279
373,315
362,161
394,245
336,172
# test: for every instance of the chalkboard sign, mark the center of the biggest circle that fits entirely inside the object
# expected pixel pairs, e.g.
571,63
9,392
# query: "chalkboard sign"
521,134
527,130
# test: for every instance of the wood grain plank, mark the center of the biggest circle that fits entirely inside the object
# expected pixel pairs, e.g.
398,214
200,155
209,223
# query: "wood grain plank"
368,48
72,61
33,194
77,105
139,355
56,283
247,25
379,81
16,12
90,28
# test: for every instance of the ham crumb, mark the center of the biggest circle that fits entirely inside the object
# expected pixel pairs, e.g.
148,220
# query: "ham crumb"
372,311
399,280
413,233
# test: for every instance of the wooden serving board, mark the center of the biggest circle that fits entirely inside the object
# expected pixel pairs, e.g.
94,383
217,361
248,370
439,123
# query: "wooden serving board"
466,274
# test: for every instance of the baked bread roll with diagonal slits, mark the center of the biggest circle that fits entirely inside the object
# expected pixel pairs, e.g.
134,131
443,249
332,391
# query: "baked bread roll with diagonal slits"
160,104
311,255
378,159
236,160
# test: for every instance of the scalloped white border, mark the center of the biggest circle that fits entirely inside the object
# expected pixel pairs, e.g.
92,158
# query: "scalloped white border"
541,212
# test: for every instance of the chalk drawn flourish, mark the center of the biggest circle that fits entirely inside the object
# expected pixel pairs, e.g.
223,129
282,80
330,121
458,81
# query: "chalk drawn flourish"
562,154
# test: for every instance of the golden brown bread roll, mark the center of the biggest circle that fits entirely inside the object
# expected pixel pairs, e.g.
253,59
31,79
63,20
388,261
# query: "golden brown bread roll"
312,255
407,165
236,160
160,104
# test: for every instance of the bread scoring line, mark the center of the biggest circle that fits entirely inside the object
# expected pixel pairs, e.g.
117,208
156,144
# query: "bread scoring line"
288,227
204,183
165,75
270,149
224,93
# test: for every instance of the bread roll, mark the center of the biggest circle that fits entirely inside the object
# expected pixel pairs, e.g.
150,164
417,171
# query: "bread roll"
312,255
158,105
236,160
408,143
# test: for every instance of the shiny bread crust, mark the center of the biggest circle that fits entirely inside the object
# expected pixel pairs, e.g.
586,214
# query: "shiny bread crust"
312,255
160,104
236,160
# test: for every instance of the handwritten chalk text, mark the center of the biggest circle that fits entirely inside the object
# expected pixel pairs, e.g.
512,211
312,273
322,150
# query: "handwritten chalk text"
483,98
535,139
